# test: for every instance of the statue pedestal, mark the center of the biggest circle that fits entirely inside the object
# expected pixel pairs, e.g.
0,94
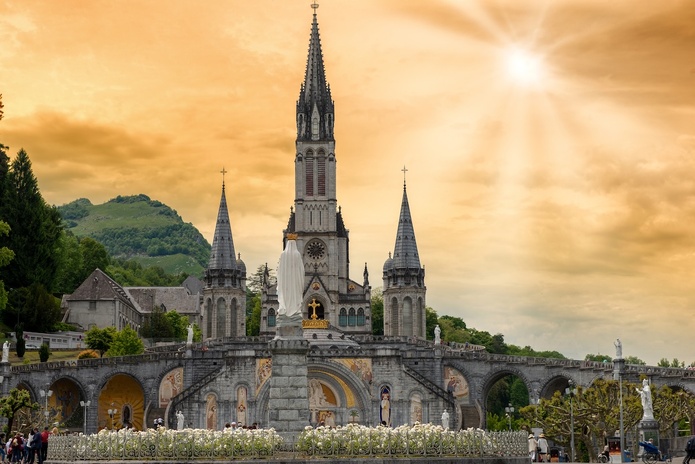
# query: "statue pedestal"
649,428
288,403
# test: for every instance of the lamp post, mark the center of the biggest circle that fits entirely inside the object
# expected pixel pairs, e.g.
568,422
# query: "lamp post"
571,391
509,410
46,394
85,405
111,413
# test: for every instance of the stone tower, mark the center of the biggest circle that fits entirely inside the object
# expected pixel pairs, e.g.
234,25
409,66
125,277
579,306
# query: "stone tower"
322,237
224,295
404,281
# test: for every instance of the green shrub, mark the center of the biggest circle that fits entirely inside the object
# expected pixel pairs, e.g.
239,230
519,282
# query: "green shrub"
44,352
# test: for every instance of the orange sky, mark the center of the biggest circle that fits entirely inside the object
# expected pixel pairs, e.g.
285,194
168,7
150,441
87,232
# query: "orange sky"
552,192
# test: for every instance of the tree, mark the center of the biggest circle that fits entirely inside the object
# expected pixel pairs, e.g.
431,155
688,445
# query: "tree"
598,358
157,327
100,339
634,360
377,304
254,282
13,402
35,226
37,309
126,343
6,256
44,352
431,321
253,321
179,324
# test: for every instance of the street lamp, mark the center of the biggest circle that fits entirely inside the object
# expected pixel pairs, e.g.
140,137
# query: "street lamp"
509,410
571,391
46,394
85,405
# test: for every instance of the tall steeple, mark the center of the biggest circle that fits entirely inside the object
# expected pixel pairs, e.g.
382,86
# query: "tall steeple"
223,255
322,236
404,280
315,111
224,293
405,253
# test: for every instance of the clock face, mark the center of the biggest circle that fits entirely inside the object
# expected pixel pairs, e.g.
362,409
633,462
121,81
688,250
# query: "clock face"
316,249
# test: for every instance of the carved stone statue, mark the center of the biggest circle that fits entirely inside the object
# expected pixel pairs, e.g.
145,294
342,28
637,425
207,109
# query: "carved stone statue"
618,349
445,419
437,335
6,352
646,396
290,283
189,337
179,420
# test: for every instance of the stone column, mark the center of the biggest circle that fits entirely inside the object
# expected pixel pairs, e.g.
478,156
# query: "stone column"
288,401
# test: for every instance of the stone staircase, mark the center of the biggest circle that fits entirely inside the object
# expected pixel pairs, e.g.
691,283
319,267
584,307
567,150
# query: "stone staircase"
448,398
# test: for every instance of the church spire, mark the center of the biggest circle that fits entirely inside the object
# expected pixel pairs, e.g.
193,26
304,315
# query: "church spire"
315,104
405,254
223,255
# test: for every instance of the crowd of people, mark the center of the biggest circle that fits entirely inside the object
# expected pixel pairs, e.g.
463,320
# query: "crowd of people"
25,450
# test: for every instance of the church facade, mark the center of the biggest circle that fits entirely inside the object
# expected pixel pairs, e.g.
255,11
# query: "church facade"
352,376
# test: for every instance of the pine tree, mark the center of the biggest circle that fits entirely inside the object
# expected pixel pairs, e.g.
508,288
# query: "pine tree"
35,229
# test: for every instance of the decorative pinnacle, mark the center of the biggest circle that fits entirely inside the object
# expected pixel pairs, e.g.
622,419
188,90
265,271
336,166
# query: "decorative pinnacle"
315,7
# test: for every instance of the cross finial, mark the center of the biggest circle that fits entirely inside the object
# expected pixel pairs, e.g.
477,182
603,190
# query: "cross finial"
404,171
223,171
315,7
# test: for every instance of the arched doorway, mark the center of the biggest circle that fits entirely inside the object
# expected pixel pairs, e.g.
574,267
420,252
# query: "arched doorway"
121,399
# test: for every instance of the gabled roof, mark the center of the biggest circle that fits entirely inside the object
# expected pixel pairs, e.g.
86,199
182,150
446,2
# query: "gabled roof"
99,286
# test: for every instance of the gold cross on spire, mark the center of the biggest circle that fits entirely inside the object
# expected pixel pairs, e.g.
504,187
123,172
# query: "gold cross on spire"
404,171
223,171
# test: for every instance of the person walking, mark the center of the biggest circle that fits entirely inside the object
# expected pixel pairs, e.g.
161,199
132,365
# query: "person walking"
44,445
543,445
35,446
689,450
532,444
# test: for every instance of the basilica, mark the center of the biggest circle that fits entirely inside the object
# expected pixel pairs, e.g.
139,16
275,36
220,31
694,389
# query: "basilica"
347,375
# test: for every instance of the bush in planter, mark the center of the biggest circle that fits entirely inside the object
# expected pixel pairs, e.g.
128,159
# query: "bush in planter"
44,352
88,354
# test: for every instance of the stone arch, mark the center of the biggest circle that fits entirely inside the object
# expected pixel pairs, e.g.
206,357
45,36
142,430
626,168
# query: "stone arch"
558,382
65,401
116,391
352,396
211,416
491,378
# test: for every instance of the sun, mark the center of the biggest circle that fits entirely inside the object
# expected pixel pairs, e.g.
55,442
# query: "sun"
524,67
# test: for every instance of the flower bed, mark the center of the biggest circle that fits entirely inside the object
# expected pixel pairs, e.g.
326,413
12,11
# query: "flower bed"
416,440
163,444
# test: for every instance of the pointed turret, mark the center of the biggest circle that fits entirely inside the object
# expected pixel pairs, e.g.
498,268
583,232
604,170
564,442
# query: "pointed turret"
405,255
224,293
315,112
404,280
223,255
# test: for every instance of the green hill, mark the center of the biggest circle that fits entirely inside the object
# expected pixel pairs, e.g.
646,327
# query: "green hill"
136,227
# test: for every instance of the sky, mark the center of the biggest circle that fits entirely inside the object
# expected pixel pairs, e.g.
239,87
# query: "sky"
549,145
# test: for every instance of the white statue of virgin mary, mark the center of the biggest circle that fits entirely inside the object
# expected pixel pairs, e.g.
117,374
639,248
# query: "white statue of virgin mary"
290,282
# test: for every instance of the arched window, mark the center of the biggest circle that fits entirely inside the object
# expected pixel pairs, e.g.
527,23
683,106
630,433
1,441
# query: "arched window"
233,322
360,316
208,316
271,317
221,318
342,318
352,317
